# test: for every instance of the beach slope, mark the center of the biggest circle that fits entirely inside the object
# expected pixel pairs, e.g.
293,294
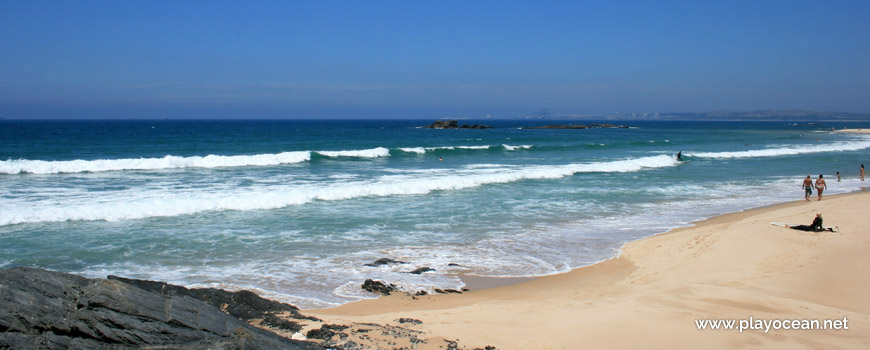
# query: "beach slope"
733,267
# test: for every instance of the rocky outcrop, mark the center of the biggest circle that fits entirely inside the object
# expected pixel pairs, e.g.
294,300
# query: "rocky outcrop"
379,287
385,261
52,310
421,270
244,305
576,126
454,124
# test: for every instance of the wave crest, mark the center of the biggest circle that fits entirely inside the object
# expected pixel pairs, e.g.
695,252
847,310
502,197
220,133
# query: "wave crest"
168,162
785,151
137,204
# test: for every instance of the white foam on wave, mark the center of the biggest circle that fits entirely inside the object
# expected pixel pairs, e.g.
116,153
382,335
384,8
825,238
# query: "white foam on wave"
422,150
158,202
473,147
785,151
514,148
417,150
168,162
365,153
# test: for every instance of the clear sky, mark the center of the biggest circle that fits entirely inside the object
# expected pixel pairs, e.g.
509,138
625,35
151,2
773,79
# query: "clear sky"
428,59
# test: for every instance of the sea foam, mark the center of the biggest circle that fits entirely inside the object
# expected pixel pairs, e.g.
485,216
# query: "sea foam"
125,205
784,151
366,153
167,162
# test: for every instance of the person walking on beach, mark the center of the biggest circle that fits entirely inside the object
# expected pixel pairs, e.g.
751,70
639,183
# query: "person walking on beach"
821,186
808,187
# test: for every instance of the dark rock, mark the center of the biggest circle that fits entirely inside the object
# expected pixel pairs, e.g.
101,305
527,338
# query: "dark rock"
52,310
420,293
454,124
476,126
409,320
454,264
385,261
379,287
245,305
280,323
321,333
335,327
421,270
446,291
327,331
607,126
444,124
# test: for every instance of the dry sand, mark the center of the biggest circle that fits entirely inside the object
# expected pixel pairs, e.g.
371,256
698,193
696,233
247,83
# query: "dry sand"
734,266
854,131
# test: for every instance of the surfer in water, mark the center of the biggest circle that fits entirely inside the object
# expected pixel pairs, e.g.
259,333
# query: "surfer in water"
680,156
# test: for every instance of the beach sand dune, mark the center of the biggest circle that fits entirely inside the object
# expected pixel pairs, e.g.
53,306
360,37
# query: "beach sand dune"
732,267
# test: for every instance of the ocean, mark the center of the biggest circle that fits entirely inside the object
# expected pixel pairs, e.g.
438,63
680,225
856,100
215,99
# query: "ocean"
295,209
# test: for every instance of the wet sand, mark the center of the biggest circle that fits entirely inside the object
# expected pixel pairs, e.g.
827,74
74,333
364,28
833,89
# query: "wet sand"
734,267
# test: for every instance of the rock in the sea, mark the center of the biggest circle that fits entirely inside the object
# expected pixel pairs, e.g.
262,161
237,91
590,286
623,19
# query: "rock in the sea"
379,287
444,124
385,261
52,310
454,124
421,270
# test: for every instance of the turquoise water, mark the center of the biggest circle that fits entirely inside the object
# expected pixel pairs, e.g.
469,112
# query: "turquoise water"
294,209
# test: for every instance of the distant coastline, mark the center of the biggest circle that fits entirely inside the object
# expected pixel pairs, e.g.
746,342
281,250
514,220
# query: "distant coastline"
758,115
800,116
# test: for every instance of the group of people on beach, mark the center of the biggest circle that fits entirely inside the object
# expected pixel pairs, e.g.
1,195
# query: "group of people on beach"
820,184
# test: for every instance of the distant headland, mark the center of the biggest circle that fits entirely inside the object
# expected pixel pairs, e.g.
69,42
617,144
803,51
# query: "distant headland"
728,115
454,124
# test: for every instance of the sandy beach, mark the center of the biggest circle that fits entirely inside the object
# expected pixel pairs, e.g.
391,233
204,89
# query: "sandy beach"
854,131
733,267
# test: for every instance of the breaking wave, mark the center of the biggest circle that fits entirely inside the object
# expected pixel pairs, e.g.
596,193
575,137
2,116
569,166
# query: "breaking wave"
138,204
167,162
785,151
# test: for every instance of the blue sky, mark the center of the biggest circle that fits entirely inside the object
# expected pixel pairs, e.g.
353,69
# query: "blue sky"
415,59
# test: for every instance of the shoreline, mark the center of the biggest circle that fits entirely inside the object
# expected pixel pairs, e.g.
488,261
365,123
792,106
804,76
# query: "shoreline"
853,131
635,276
474,282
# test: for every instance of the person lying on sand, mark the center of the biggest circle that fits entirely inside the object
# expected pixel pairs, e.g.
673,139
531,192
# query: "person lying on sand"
816,226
